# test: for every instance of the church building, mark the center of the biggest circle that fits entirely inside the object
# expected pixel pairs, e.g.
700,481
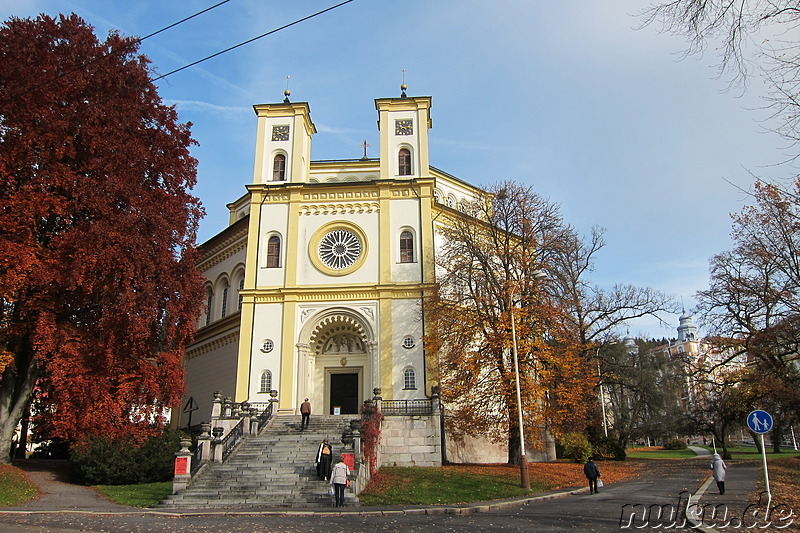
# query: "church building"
315,288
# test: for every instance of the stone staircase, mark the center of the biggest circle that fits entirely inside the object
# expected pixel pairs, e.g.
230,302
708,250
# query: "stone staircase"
272,469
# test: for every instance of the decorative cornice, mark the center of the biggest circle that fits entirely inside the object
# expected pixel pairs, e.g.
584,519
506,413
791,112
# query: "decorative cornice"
223,248
339,208
335,293
214,344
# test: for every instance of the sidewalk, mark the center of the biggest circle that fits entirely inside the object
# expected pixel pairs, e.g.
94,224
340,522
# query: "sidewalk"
59,496
50,477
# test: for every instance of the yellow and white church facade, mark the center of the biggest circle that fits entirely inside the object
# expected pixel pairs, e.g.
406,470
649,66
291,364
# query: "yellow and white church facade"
315,288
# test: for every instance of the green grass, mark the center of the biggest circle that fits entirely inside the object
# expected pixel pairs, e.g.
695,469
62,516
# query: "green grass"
750,452
656,452
143,495
432,486
15,487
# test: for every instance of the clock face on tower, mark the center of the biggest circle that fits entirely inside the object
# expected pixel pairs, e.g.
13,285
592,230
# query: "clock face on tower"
280,133
403,127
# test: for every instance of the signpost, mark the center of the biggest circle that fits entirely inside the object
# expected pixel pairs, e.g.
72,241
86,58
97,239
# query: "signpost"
760,422
190,407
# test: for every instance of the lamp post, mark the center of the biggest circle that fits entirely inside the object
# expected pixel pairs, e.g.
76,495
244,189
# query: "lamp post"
523,457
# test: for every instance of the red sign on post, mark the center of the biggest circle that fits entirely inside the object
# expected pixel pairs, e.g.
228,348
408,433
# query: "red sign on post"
181,466
349,460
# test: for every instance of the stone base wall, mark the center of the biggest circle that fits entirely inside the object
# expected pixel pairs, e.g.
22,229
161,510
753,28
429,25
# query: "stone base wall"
480,450
410,441
475,450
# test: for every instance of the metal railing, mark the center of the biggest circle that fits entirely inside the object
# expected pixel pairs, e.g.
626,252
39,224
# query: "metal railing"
265,410
407,407
197,459
232,439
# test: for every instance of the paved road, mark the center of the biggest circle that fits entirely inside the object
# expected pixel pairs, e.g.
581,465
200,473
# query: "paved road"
666,485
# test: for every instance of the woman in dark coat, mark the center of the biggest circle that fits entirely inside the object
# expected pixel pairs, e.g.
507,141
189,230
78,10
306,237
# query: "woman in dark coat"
323,460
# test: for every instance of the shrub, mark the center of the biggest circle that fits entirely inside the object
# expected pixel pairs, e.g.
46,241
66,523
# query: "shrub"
675,444
100,461
575,446
608,448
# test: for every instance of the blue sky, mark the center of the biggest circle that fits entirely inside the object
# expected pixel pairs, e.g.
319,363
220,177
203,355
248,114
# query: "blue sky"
603,118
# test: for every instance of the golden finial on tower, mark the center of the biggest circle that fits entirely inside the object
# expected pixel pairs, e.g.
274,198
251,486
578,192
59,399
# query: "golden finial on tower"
403,86
287,92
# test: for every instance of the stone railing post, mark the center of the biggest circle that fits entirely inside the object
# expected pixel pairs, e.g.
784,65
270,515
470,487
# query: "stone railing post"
204,441
253,421
244,413
376,397
216,444
273,401
183,467
216,406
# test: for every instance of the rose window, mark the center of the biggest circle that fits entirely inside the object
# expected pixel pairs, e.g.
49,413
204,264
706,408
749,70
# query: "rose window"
339,249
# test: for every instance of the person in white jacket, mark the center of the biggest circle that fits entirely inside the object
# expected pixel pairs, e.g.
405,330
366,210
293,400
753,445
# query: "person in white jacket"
718,470
339,479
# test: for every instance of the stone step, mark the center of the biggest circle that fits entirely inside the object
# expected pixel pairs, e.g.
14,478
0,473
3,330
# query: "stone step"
273,469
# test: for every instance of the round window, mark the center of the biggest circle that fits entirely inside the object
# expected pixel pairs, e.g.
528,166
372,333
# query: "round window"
408,342
339,249
267,346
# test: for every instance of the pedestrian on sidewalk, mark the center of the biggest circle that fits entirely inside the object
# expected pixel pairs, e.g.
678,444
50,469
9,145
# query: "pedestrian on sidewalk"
323,460
718,470
305,413
340,479
592,473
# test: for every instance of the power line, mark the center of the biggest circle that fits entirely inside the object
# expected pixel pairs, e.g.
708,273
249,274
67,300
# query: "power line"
298,21
116,51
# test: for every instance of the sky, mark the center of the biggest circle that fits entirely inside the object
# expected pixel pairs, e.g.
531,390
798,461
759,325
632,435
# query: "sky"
604,117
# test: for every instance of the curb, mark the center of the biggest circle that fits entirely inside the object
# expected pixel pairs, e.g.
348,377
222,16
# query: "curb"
480,507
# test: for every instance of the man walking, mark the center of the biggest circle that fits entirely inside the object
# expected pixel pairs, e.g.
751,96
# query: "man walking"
305,412
592,473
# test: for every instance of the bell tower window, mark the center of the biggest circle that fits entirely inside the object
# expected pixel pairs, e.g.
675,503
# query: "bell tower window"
279,168
404,162
274,252
406,247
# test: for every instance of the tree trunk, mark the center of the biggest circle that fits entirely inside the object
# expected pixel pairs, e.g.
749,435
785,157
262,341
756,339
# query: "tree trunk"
16,389
513,444
777,437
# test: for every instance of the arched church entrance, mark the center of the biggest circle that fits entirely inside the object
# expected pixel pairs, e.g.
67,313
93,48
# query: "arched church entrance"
340,347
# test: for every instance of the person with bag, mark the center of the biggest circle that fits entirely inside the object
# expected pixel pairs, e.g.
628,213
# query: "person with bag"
592,473
718,468
340,479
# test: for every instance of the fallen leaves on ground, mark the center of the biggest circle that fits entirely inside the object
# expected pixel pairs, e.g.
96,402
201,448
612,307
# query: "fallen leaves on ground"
560,474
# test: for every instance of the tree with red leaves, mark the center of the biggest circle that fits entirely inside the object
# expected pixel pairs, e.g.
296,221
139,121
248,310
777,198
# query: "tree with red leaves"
98,290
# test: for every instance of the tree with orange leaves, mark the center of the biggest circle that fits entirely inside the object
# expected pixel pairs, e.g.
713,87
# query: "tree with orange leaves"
98,290
514,259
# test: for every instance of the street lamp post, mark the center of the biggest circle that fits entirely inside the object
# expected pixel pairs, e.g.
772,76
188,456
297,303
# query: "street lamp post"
525,480
523,459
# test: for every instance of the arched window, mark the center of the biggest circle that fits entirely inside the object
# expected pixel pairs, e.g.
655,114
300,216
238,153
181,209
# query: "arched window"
241,287
279,168
404,162
406,247
274,252
409,379
209,302
224,299
266,381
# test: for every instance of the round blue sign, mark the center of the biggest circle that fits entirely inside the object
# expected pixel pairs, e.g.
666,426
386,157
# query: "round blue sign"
759,422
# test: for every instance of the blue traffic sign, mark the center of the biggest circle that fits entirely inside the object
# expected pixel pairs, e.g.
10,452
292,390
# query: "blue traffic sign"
759,422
